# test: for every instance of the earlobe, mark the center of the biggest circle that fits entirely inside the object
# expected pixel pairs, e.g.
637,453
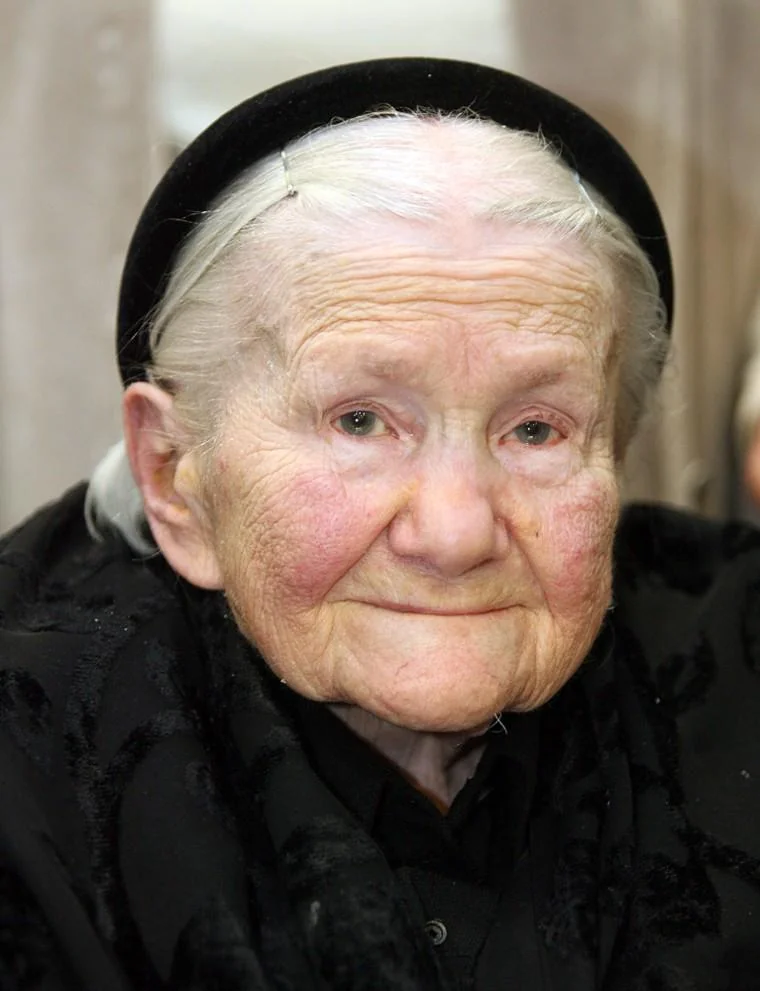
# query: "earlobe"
170,484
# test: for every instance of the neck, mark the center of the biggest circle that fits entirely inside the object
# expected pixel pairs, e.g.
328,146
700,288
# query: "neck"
437,764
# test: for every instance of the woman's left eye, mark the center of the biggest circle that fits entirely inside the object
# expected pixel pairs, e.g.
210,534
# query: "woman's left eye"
535,433
361,423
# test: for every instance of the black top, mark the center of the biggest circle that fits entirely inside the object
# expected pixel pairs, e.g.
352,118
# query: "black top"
454,867
172,817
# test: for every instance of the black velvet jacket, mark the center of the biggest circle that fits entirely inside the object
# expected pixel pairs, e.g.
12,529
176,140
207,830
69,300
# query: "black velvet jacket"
164,825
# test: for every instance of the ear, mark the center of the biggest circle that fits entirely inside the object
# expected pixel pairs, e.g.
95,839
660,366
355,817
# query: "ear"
170,484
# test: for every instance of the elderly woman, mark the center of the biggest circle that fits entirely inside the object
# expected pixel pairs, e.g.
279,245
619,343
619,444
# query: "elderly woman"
358,678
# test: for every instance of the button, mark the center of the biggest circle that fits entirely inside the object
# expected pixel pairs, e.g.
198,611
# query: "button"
436,932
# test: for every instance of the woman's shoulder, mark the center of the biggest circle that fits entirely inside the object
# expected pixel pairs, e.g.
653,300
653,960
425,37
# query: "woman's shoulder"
686,587
686,622
89,642
73,612
82,621
665,548
687,615
50,547
53,571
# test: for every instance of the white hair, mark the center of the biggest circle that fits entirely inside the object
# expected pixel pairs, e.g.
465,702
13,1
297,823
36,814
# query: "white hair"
416,167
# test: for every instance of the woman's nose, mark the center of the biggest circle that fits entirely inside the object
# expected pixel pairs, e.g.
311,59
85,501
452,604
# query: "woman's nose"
450,521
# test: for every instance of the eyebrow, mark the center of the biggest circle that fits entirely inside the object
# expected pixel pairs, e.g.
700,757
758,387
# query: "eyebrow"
393,367
404,370
538,377
385,368
381,368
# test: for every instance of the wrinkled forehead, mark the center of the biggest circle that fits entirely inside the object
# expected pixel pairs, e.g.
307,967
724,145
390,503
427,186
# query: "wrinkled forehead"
373,273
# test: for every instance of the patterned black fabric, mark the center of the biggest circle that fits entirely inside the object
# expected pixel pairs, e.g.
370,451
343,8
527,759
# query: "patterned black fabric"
161,826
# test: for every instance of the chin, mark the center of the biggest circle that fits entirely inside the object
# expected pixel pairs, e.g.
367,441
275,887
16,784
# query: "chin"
462,698
433,709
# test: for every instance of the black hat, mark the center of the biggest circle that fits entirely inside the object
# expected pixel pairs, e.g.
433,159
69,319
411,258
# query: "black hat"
268,122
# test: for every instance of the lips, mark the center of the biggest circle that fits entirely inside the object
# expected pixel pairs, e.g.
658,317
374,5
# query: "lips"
427,610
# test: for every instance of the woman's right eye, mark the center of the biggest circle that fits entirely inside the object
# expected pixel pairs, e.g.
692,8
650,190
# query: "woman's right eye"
361,423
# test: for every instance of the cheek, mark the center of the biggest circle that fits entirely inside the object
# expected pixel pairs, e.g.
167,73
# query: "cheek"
577,537
329,530
304,534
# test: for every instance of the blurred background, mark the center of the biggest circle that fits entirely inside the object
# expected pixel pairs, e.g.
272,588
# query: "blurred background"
97,95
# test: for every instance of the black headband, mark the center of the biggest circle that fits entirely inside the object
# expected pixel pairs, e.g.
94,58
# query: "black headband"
268,122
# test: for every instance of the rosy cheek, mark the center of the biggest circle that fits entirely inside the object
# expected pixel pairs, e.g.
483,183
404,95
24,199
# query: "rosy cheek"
325,529
582,528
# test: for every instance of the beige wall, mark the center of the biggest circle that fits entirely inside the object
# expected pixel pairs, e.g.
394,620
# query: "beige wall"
74,78
212,55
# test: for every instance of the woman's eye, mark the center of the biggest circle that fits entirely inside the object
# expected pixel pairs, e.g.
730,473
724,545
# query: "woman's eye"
361,423
534,432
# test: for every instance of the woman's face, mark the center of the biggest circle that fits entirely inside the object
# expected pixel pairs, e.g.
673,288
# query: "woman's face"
414,497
